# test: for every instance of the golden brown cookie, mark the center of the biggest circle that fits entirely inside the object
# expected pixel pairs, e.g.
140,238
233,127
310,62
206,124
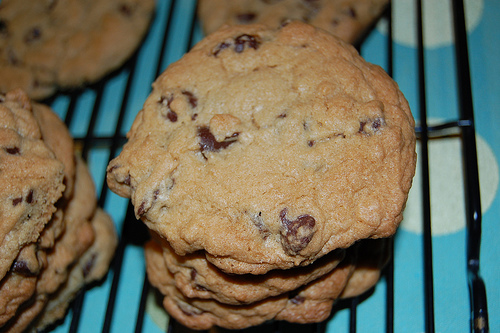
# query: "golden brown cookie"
310,303
195,277
31,176
47,45
268,149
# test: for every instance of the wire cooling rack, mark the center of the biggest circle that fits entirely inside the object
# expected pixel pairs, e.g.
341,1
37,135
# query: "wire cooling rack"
100,116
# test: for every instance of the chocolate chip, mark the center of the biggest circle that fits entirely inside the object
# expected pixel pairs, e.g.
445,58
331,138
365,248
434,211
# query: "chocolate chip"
17,201
376,124
89,265
296,234
297,299
142,209
193,101
29,197
172,116
220,47
310,143
246,17
13,150
241,41
194,273
371,126
32,35
166,101
22,267
209,143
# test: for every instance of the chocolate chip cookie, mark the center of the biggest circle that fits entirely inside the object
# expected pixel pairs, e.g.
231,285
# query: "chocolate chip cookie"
60,234
268,149
347,19
62,44
32,180
197,278
310,303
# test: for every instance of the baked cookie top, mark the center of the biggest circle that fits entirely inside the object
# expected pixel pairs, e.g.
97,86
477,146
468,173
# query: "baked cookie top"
269,148
51,44
347,19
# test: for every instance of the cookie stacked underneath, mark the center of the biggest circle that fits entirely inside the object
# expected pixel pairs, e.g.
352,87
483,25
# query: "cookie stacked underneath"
271,166
53,238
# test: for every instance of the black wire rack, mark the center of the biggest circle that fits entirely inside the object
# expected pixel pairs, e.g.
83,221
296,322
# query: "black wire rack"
134,234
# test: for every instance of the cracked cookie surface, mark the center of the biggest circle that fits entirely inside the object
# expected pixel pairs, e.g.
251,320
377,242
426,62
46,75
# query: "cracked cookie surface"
269,148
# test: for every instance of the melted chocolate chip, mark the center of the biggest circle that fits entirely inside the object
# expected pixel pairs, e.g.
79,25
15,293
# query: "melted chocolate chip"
172,116
21,267
220,47
166,101
193,101
297,299
296,234
245,40
142,209
32,35
240,43
29,197
194,273
371,126
89,265
209,143
246,17
13,150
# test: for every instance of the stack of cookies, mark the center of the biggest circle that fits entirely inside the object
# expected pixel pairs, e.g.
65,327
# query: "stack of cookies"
349,20
271,167
53,238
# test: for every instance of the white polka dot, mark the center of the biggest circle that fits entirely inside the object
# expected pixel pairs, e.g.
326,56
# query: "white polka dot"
438,21
155,309
447,187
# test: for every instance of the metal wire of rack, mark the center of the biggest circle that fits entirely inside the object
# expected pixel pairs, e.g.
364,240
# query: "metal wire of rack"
133,234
